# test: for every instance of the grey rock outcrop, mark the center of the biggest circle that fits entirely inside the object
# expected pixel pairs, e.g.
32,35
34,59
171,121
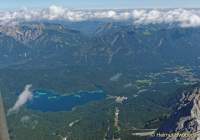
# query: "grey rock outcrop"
184,122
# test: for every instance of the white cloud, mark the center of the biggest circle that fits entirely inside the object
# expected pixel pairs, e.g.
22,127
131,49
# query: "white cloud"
25,96
183,17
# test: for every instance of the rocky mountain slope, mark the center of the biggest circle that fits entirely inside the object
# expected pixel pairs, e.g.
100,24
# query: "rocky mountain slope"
184,123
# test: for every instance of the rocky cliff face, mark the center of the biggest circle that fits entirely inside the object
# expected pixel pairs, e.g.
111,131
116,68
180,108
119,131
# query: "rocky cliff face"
24,33
184,123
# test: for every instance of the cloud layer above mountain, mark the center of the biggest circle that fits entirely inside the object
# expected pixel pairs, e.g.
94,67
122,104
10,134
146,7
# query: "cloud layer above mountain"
183,17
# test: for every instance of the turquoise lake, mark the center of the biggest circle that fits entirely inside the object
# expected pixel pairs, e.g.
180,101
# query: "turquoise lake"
50,102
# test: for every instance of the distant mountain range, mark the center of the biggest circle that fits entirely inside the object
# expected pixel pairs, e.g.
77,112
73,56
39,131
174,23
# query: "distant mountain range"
108,43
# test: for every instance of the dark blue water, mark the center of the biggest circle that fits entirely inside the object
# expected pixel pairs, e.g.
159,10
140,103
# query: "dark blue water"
47,101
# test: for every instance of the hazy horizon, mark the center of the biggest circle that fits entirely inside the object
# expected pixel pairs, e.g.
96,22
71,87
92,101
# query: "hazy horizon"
103,4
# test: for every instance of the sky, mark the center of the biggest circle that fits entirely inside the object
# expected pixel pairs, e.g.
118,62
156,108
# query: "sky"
99,4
